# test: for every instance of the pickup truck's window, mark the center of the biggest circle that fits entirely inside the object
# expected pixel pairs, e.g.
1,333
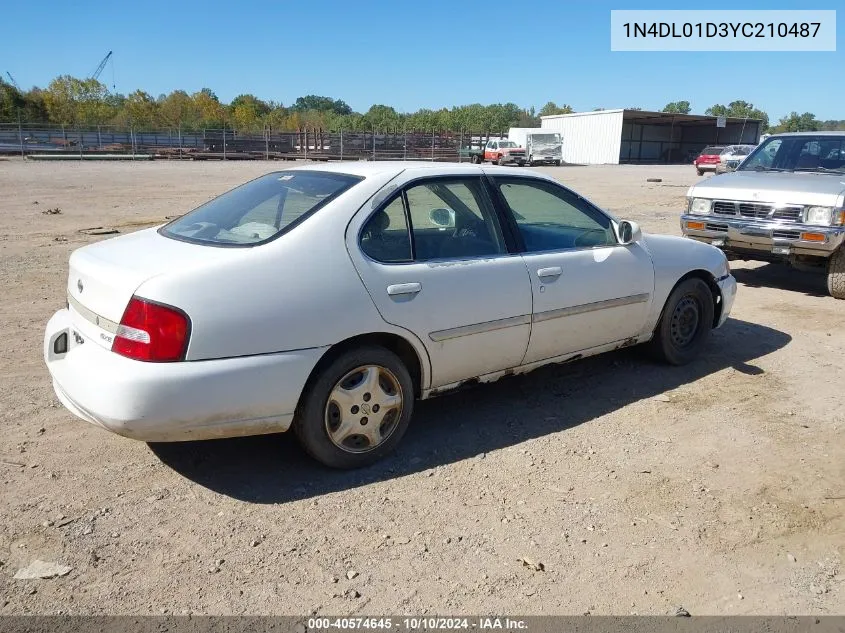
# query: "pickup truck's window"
259,210
453,219
798,153
550,217
508,144
385,236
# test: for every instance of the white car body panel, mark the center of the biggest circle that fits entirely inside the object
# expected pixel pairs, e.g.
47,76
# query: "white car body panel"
160,402
587,298
473,314
262,317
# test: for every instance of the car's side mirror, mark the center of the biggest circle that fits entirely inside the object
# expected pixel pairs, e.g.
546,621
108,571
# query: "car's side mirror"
444,218
629,232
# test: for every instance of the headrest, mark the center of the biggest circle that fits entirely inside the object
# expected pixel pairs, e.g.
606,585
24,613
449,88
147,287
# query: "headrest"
379,222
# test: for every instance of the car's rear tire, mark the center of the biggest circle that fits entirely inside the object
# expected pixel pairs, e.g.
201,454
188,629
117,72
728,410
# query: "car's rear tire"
836,274
357,409
699,171
685,323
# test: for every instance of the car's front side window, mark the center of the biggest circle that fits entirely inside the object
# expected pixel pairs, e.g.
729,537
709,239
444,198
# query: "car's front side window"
453,219
550,217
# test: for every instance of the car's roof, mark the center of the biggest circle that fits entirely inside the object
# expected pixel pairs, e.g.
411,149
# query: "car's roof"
371,168
817,133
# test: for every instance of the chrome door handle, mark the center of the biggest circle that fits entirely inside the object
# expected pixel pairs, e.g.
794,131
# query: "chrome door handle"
404,289
553,271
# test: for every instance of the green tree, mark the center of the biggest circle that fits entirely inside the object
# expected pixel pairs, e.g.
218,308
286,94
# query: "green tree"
140,110
794,122
210,110
740,110
178,110
248,112
677,107
383,118
552,108
12,102
70,101
832,125
321,104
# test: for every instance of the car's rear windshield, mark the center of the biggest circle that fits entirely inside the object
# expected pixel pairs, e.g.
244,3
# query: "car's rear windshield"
713,149
259,210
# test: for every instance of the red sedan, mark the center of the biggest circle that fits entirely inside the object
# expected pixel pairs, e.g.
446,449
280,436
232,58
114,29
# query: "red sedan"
708,160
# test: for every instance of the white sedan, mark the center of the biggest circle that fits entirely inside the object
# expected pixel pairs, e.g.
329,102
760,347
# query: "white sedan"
329,298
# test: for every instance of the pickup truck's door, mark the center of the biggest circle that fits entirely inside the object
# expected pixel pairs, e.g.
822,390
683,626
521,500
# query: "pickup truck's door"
454,285
490,151
588,290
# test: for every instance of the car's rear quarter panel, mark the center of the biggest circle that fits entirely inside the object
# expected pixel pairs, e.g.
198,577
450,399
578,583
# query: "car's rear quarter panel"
299,291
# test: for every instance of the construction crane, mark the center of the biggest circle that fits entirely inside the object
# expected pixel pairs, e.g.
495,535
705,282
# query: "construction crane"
12,79
96,73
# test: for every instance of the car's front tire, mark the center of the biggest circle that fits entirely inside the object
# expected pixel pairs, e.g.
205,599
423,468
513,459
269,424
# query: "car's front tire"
685,324
357,409
836,274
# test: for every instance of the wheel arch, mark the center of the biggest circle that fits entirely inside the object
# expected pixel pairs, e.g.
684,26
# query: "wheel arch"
397,344
707,277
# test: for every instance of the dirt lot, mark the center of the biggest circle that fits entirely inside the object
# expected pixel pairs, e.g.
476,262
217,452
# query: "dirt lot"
719,486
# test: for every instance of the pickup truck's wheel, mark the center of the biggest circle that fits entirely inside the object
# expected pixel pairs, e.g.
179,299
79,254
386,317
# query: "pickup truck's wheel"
501,160
476,159
836,274
557,163
685,323
357,409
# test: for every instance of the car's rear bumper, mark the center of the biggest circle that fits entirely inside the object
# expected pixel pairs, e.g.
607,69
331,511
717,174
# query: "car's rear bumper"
707,166
768,240
163,402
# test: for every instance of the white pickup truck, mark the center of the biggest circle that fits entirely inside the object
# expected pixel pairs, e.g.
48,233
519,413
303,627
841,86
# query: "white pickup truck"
785,202
542,147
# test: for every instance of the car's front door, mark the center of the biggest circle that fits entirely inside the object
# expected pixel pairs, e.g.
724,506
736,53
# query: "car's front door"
589,290
435,262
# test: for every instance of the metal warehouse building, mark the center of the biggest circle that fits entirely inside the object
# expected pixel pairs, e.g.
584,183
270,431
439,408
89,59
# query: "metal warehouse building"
635,136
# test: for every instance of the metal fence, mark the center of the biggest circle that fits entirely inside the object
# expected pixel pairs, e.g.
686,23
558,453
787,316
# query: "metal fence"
104,142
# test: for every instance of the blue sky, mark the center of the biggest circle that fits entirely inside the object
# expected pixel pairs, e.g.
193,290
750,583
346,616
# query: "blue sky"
408,54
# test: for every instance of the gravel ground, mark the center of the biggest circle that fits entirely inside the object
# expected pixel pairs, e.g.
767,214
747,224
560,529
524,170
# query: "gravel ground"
719,486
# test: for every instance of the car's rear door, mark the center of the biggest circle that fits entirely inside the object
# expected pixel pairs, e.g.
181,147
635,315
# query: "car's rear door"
588,290
434,260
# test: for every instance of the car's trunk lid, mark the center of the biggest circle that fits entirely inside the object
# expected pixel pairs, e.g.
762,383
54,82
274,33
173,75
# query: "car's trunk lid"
103,276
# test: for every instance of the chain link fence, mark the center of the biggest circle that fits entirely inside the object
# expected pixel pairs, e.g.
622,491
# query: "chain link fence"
110,142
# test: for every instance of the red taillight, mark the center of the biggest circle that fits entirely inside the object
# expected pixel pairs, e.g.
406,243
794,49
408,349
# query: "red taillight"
152,332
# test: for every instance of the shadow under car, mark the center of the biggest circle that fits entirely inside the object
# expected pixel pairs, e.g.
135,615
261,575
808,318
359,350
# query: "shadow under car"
484,418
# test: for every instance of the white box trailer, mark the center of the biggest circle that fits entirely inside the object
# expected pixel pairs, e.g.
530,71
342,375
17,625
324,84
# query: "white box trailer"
541,146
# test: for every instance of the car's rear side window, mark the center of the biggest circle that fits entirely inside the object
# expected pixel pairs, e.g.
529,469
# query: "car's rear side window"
447,218
259,210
